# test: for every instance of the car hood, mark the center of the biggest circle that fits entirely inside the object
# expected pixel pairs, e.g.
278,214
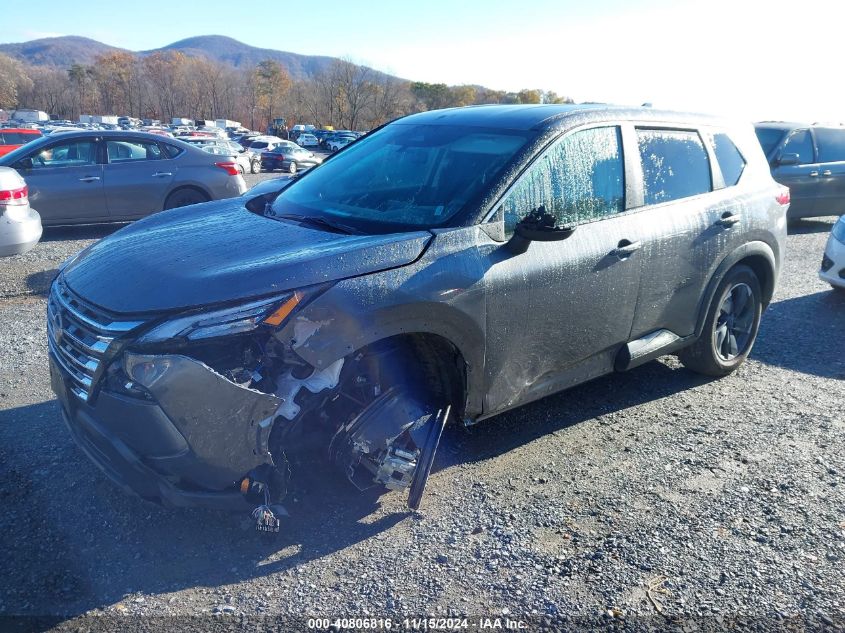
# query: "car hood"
220,251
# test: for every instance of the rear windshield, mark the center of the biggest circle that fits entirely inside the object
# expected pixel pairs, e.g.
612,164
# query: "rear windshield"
769,138
17,138
404,177
258,145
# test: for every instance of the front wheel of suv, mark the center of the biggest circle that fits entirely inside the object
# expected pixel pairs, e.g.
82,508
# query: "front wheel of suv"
730,327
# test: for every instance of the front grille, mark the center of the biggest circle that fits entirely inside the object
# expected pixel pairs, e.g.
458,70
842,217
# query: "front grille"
79,335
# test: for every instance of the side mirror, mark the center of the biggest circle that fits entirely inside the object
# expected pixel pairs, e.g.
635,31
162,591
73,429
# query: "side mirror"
24,163
789,159
537,226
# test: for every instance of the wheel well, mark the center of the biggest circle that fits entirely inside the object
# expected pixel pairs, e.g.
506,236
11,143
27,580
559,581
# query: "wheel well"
199,190
762,268
443,366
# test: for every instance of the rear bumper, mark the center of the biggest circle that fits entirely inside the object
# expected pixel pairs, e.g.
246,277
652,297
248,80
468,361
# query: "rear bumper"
833,264
19,236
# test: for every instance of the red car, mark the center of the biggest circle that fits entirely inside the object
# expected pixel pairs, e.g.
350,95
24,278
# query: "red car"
12,138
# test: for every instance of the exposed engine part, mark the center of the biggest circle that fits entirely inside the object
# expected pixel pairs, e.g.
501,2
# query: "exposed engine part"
288,386
381,445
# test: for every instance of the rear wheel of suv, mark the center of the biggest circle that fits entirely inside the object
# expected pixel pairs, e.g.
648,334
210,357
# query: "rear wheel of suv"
730,328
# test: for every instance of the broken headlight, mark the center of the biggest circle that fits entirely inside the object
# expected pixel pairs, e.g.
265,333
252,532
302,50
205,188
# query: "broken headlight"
237,319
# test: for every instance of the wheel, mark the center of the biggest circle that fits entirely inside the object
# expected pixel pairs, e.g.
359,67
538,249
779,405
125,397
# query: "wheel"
255,167
292,168
730,327
241,170
183,197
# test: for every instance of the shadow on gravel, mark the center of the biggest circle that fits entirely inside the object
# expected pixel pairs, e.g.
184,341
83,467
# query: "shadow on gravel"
74,542
39,283
816,225
82,232
804,334
612,393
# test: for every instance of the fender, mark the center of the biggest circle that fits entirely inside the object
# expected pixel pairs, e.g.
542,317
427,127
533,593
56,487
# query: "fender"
441,294
758,249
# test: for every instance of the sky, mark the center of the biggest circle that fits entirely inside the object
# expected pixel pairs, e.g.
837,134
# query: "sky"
751,59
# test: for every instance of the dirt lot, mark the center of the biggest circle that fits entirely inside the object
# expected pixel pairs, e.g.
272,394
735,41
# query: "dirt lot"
640,497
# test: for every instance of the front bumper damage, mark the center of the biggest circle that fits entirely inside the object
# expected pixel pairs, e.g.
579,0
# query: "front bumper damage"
202,440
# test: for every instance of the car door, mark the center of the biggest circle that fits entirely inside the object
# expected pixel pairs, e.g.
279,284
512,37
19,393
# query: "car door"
65,181
802,177
558,312
687,226
136,177
830,143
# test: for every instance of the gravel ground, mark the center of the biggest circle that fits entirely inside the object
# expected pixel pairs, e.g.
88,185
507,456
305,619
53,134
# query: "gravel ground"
632,501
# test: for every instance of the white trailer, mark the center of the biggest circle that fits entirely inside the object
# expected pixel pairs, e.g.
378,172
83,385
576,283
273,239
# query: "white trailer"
225,123
181,121
30,116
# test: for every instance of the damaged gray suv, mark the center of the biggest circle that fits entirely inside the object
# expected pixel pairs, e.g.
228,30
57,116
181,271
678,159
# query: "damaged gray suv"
450,265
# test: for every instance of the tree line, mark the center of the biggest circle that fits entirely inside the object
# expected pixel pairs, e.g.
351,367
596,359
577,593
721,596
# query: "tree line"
171,84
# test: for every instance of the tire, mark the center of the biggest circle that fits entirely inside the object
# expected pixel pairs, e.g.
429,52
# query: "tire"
241,170
184,197
255,167
292,168
730,327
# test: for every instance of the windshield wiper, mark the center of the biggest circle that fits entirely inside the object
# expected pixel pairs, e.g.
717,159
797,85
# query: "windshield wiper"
318,221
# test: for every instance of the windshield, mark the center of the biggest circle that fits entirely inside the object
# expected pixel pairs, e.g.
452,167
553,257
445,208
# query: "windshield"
404,177
769,138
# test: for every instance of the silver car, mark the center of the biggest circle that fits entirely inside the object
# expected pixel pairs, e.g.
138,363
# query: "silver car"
104,176
20,226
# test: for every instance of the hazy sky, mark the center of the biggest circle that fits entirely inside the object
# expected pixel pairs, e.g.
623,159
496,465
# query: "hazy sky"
754,59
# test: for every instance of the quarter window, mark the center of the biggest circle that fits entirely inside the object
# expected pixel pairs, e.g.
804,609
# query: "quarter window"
799,142
831,145
578,180
674,163
730,160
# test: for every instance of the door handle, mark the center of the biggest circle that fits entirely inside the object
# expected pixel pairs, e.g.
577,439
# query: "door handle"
625,249
827,172
813,174
89,179
728,219
161,174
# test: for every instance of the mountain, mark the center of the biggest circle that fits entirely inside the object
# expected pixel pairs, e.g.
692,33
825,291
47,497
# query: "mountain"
230,51
57,51
68,50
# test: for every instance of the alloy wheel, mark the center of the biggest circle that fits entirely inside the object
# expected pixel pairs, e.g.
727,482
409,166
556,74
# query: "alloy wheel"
735,323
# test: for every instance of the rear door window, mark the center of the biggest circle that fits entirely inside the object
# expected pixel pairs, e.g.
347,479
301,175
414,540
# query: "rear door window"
675,165
128,151
799,142
831,145
730,160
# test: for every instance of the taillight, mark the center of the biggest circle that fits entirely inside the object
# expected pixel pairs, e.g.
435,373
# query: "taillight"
230,167
783,197
14,196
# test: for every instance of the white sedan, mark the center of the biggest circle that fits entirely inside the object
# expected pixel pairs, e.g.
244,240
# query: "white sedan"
244,160
833,262
307,140
20,225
